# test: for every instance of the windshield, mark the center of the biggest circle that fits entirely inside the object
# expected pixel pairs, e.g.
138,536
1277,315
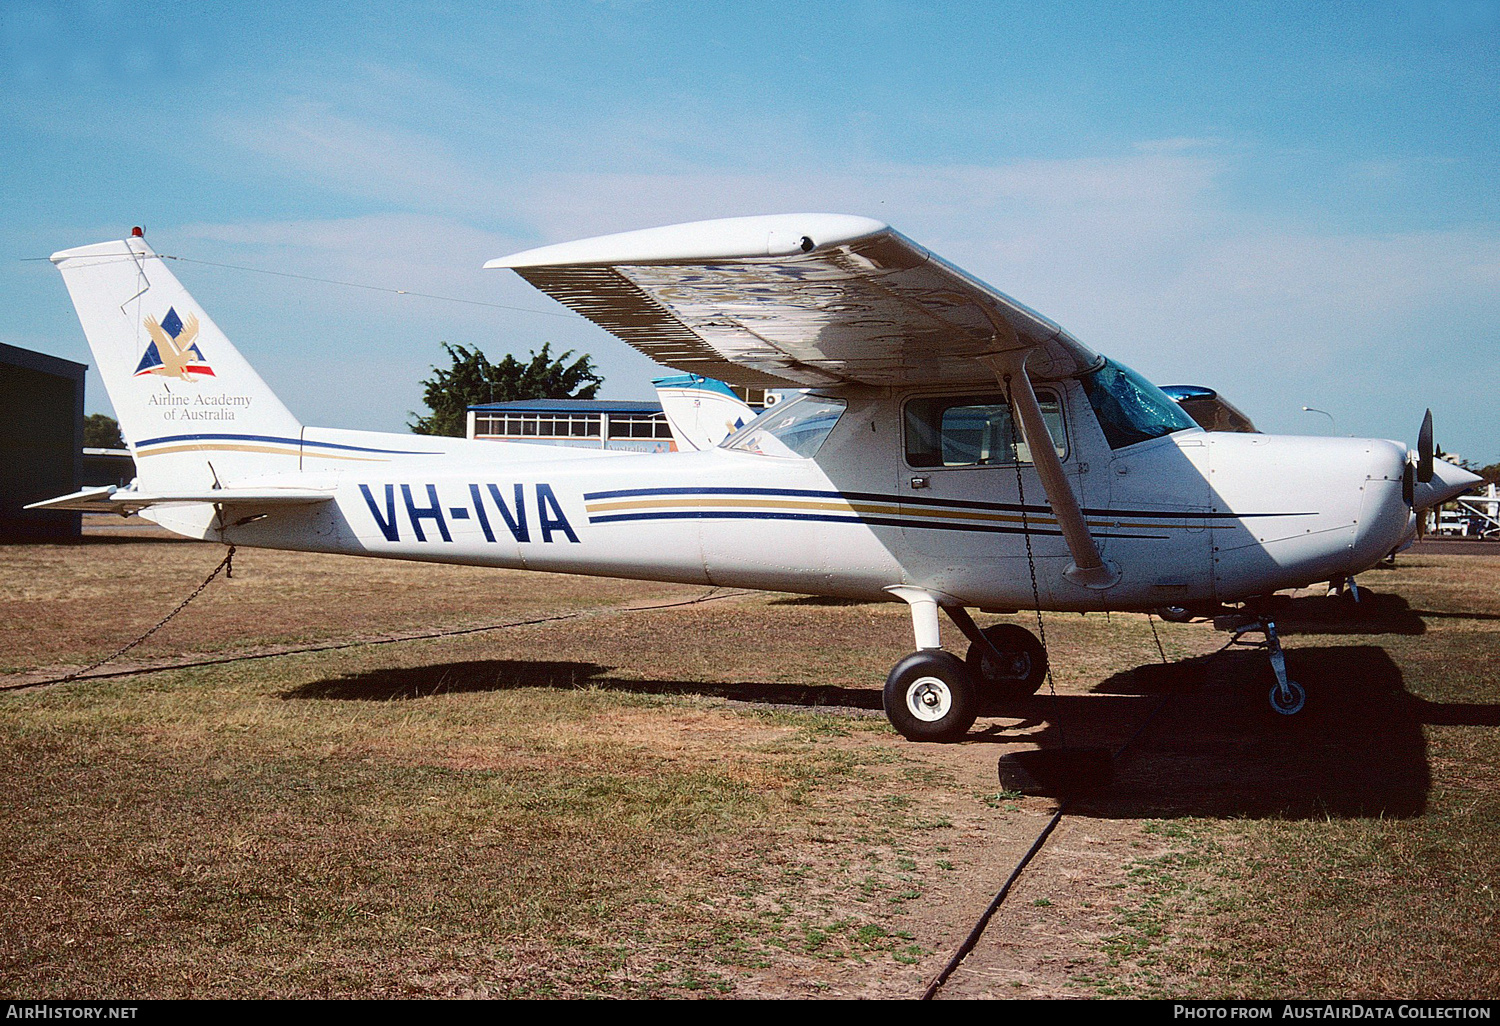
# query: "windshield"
1131,409
795,429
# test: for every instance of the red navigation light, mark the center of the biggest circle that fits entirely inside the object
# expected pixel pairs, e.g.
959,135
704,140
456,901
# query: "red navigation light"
136,233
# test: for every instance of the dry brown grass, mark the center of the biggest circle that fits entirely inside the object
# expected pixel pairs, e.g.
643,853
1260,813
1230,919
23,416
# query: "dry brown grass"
94,593
705,799
1354,853
458,816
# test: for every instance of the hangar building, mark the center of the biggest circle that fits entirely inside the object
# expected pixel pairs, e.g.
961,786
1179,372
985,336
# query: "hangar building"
41,443
628,425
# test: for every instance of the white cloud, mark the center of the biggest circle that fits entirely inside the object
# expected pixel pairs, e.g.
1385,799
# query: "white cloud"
382,162
1140,254
353,357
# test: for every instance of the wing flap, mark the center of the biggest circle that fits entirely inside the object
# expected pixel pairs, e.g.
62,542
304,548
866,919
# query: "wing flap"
617,304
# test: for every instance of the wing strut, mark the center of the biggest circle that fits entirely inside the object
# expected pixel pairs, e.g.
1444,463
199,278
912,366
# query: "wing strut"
1089,569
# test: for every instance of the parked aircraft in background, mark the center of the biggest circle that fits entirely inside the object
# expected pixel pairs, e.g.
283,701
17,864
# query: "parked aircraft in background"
703,411
952,450
1211,410
1477,516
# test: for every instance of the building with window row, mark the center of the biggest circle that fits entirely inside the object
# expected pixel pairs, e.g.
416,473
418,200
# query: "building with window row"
606,424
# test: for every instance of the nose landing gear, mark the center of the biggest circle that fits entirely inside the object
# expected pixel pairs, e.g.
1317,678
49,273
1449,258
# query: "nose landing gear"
1287,696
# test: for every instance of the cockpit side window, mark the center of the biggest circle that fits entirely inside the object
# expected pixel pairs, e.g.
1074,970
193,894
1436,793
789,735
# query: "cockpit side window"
1131,409
973,430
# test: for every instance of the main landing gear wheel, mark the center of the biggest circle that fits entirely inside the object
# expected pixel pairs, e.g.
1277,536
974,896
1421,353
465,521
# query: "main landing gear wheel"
929,696
1288,700
1021,668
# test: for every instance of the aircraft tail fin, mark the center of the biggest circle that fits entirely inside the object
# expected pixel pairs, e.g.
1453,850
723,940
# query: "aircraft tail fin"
195,414
702,411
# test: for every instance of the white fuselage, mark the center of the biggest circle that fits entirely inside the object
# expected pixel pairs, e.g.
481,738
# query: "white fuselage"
1190,517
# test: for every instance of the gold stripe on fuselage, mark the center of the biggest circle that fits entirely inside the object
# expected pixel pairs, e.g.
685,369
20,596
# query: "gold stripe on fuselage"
227,447
856,507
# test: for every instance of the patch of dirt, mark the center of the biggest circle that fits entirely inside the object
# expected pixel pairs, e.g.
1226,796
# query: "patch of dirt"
1045,940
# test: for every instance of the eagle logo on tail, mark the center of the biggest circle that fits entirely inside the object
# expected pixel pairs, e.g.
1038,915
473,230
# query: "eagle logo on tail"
173,351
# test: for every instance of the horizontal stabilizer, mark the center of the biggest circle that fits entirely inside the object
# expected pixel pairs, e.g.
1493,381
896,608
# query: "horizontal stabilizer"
110,499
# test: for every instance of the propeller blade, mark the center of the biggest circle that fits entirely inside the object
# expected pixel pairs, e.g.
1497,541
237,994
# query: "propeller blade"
1424,450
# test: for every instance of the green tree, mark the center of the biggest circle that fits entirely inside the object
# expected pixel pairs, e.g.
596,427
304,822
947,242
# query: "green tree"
473,379
102,432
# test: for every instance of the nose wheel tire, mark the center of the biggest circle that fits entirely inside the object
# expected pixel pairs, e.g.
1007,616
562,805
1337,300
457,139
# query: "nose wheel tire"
1018,672
929,696
1288,701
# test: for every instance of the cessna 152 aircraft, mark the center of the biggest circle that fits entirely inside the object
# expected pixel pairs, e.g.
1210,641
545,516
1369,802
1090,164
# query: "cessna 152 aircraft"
951,449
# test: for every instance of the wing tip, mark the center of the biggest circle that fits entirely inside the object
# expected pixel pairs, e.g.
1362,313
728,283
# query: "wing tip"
730,238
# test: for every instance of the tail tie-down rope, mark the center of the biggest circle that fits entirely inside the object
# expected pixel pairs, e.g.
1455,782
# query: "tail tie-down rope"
226,567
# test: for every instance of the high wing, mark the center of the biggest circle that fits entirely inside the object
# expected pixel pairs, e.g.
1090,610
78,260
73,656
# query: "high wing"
801,299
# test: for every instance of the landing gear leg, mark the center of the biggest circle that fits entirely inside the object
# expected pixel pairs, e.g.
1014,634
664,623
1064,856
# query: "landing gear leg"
929,695
1005,660
1287,696
1343,587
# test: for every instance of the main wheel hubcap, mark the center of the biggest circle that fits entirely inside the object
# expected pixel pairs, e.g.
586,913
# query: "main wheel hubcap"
929,699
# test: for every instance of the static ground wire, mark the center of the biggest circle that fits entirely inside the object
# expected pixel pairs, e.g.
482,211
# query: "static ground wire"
1036,597
983,922
713,594
347,284
226,565
1041,839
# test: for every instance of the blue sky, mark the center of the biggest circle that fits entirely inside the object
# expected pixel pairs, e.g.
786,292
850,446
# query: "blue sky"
1294,203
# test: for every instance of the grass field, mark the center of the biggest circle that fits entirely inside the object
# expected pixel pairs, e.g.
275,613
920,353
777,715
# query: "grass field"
702,797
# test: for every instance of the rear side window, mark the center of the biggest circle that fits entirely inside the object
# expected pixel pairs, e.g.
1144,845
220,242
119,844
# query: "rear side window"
973,430
794,429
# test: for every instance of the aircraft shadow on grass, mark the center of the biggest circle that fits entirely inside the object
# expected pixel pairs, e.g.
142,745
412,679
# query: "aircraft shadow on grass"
1374,613
1215,748
507,674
